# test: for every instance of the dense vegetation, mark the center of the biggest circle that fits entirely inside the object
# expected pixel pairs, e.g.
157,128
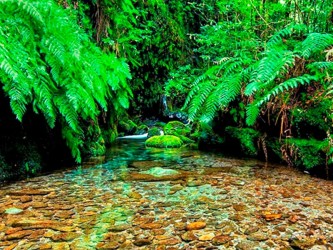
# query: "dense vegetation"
256,75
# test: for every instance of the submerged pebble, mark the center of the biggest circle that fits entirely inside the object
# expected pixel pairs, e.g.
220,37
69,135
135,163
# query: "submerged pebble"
168,199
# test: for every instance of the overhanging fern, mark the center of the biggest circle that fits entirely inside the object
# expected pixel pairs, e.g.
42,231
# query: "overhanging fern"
47,62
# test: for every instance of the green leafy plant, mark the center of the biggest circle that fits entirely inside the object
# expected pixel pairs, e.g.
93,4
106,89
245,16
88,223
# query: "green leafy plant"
49,64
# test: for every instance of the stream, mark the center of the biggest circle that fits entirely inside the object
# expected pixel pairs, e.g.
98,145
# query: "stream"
141,198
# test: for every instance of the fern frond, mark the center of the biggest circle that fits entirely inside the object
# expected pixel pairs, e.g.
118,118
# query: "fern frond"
314,43
253,108
274,64
293,28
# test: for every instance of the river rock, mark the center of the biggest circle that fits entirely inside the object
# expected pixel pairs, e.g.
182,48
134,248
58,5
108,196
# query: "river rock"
207,237
68,236
142,242
153,225
189,236
257,236
221,239
18,235
195,225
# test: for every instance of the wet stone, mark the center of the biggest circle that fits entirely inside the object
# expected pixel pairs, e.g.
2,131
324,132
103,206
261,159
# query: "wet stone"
18,235
220,240
195,225
207,237
233,206
142,242
257,236
25,198
107,246
119,228
189,236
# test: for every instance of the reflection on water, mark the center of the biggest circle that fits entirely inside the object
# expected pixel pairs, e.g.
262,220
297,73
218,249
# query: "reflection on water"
144,198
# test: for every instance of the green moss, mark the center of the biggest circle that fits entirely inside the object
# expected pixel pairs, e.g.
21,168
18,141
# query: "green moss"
246,137
308,152
153,131
164,141
127,126
109,136
176,128
185,139
94,141
142,129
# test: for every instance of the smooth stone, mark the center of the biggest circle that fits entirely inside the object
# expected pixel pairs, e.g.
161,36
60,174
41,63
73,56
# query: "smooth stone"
119,228
257,236
158,172
246,245
107,246
142,241
18,235
196,225
25,198
207,237
189,236
152,225
13,210
65,236
169,241
40,224
221,239
29,192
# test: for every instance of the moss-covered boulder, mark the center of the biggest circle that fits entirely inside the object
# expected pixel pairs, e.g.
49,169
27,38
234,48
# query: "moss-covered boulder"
177,128
128,127
142,129
164,141
186,140
153,131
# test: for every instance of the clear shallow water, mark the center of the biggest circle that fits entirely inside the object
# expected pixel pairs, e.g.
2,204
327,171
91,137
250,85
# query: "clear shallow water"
168,199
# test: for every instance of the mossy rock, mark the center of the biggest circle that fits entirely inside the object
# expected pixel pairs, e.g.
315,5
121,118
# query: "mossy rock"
177,128
164,141
127,126
142,129
186,140
154,131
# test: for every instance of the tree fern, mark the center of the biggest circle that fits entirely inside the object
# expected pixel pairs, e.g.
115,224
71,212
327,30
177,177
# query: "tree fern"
277,73
314,43
47,61
254,107
216,88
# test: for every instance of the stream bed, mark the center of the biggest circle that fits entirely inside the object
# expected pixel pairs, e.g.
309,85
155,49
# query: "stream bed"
159,199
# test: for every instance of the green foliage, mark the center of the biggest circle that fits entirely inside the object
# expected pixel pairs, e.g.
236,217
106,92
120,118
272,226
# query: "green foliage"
47,62
164,141
154,131
205,135
127,126
307,152
277,73
141,129
312,121
176,128
246,137
94,142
